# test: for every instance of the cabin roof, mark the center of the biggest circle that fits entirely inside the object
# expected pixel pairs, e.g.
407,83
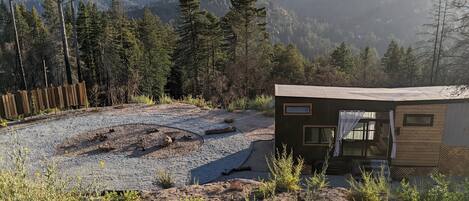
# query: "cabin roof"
431,93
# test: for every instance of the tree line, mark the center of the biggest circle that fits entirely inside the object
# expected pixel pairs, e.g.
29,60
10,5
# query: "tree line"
219,58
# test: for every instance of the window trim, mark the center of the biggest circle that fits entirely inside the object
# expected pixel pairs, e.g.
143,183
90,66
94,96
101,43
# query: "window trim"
318,126
432,119
285,105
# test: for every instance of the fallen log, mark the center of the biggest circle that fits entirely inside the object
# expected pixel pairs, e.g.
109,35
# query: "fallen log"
228,129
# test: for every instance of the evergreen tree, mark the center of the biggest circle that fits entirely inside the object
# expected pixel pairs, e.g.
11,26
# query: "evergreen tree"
250,51
185,75
342,58
411,71
391,62
288,65
157,43
367,69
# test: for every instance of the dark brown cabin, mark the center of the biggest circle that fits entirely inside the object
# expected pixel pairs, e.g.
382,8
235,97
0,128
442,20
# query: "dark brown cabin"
430,126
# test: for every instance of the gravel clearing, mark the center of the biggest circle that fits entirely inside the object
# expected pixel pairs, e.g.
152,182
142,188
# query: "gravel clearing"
119,172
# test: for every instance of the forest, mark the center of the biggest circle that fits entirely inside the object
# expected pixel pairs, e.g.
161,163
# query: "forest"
217,57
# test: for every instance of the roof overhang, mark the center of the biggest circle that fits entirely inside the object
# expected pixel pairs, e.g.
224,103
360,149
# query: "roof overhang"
431,93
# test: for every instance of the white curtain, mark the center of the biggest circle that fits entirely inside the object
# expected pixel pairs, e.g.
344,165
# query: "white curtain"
393,134
348,119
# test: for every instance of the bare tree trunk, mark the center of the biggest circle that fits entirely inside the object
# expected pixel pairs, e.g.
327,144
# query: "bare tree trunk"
18,48
436,42
75,43
68,68
442,35
46,83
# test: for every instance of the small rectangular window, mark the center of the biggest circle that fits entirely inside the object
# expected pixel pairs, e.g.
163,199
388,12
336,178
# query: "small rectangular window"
418,120
297,109
318,135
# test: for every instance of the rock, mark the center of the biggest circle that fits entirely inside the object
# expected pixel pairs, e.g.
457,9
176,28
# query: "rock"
236,185
100,137
167,141
106,147
112,130
228,121
153,130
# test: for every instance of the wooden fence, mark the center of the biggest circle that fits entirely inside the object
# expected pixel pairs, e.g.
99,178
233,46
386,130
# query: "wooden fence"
32,102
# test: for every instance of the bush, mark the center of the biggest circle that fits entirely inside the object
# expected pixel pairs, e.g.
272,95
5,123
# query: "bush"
194,199
372,188
262,103
408,192
147,100
164,179
165,99
3,123
197,101
442,191
283,171
47,184
266,189
238,104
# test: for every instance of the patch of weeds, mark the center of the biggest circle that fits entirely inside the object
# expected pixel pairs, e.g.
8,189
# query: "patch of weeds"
47,184
197,101
238,104
266,189
165,99
126,196
372,188
285,172
407,192
261,103
142,99
193,198
3,123
444,191
164,179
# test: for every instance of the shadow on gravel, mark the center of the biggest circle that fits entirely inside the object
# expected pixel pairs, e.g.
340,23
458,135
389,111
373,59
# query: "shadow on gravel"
211,171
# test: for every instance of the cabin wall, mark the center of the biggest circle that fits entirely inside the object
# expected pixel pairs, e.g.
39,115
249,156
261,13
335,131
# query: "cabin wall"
454,153
419,146
325,112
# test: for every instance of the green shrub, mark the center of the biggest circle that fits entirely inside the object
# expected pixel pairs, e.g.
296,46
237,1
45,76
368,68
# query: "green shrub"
165,99
147,100
197,101
284,172
408,192
238,104
3,123
261,103
193,198
442,191
164,179
266,189
372,188
48,185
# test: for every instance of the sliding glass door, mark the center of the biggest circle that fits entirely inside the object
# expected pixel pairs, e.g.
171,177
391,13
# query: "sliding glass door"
369,139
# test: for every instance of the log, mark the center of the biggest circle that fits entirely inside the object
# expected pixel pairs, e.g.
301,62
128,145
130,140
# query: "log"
228,129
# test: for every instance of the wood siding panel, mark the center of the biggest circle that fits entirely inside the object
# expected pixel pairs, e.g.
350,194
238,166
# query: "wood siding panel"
419,145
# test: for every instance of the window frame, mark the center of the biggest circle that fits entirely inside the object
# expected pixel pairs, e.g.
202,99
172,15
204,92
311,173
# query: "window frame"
318,126
431,116
309,105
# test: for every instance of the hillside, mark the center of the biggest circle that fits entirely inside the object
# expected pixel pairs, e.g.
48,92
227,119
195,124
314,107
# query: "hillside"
315,26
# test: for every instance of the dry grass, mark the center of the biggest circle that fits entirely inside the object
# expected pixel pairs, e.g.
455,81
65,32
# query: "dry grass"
142,99
164,179
16,184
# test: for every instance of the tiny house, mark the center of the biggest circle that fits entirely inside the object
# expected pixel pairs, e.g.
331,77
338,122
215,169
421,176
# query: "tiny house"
416,130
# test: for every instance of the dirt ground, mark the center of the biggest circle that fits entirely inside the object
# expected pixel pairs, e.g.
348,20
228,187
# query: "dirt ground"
133,140
239,189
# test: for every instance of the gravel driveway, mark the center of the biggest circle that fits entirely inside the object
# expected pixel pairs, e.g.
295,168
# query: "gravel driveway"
217,154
